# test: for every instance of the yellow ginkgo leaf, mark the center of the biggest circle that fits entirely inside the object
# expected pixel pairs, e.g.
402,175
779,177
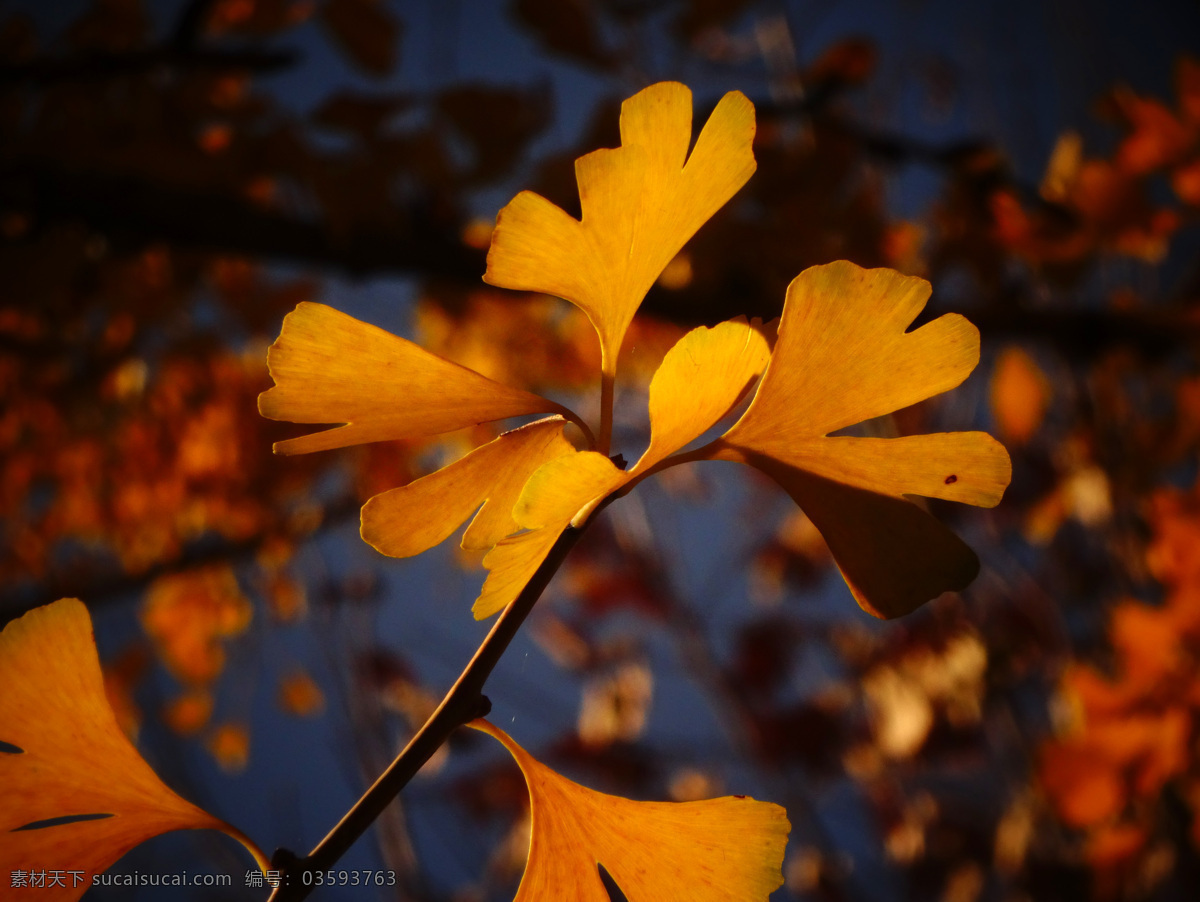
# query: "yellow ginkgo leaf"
511,564
717,850
560,489
549,501
968,467
641,202
417,516
76,794
700,379
329,367
843,356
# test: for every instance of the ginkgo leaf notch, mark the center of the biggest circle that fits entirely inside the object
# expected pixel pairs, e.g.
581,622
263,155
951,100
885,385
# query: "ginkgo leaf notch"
641,202
718,850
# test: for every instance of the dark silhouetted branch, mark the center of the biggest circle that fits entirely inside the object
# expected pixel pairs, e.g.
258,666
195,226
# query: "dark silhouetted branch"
95,66
141,211
463,703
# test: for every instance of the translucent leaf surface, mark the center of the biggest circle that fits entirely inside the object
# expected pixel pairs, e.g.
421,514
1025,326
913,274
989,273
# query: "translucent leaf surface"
551,498
728,849
329,367
843,356
700,380
415,517
641,202
76,794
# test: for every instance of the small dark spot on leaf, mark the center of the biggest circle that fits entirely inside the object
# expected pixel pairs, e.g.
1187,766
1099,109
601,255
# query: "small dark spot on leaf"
9,748
739,797
619,461
60,821
951,479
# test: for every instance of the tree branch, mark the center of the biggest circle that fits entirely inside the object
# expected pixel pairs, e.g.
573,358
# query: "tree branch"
463,703
190,24
126,206
94,66
180,51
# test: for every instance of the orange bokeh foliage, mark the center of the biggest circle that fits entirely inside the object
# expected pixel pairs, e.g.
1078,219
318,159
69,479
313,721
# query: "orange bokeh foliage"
1132,731
120,461
229,744
1094,205
1020,394
257,16
171,463
300,695
188,713
121,677
187,615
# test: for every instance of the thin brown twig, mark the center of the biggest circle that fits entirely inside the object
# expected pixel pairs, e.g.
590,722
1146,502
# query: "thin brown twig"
98,65
464,702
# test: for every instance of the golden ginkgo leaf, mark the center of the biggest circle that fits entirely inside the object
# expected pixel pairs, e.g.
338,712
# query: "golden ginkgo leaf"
329,367
415,517
641,202
701,379
549,501
718,850
76,794
843,356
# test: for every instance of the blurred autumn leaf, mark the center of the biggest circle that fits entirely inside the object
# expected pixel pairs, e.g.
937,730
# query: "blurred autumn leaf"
365,31
1020,394
568,27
